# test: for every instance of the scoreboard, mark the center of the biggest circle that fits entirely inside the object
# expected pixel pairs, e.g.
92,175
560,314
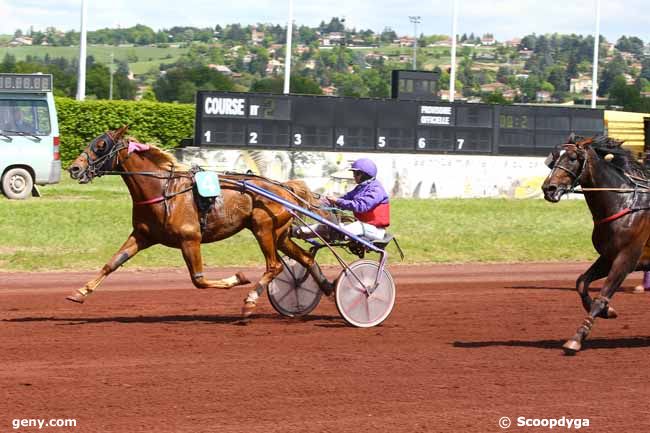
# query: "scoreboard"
322,123
26,82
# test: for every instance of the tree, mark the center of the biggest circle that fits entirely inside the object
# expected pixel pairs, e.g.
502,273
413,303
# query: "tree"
645,68
632,45
180,83
558,78
502,74
495,98
626,96
350,85
377,82
335,25
388,35
8,63
611,71
298,85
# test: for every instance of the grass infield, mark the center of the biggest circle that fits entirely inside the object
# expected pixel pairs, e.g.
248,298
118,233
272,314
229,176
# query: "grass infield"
80,226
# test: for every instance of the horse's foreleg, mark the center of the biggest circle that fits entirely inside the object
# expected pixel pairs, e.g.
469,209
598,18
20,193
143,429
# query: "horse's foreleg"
599,269
293,250
192,256
129,249
624,263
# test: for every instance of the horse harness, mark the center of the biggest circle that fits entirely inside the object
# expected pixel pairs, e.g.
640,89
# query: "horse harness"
638,187
109,158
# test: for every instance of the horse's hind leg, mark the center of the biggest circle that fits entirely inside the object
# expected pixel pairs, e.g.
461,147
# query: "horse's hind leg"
129,249
192,254
599,269
293,250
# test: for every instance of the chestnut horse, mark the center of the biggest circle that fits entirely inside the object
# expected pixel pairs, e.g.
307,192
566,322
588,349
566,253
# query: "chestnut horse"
617,190
166,211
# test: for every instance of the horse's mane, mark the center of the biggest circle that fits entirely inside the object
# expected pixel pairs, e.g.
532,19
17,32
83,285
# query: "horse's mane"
623,158
164,159
300,188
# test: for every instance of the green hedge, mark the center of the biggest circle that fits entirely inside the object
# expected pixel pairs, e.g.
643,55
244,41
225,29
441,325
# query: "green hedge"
159,123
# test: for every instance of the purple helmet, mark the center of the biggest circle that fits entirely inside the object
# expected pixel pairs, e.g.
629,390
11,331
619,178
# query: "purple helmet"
366,166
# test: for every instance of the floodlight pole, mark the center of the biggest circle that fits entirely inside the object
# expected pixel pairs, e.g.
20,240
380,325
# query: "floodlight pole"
81,79
594,76
454,30
287,57
415,20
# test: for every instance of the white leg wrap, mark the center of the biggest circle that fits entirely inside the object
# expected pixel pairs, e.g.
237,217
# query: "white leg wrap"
252,297
232,280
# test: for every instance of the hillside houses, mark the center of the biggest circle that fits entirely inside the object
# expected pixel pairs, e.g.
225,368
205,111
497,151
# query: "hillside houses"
21,41
581,84
331,39
331,54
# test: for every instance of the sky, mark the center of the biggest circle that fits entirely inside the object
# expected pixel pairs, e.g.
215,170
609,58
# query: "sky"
503,18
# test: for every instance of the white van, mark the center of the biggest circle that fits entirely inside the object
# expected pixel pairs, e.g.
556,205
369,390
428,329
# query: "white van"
29,134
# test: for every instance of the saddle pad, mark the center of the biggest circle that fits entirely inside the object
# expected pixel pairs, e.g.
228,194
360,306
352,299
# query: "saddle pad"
207,183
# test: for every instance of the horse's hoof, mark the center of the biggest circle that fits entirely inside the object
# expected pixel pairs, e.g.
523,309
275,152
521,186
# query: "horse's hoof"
248,309
327,288
571,347
611,312
608,313
242,278
77,297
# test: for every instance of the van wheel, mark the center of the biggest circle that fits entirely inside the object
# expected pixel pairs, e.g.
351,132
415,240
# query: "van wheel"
17,183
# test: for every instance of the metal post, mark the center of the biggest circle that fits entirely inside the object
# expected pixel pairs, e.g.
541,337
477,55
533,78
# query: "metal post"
452,75
594,76
287,57
81,79
415,20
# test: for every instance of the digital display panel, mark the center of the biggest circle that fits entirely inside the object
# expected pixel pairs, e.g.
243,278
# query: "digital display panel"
270,107
322,123
25,82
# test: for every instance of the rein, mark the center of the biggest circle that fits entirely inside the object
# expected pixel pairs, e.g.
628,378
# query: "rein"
94,166
641,185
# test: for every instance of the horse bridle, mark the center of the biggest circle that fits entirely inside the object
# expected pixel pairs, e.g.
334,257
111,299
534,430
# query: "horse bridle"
108,159
575,175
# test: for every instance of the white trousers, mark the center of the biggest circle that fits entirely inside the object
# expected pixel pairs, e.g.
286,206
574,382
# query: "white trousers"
367,231
357,228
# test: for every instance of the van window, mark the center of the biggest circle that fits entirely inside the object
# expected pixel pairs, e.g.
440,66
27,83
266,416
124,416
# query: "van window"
30,116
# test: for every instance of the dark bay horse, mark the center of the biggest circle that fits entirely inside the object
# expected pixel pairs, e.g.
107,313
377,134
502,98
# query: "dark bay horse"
166,211
617,190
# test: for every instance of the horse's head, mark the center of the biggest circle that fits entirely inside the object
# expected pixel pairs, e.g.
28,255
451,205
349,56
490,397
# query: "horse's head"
99,156
567,163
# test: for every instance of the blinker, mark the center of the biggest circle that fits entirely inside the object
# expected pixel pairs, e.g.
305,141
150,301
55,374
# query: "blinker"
550,160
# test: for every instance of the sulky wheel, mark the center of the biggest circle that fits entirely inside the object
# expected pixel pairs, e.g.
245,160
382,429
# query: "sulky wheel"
352,300
294,292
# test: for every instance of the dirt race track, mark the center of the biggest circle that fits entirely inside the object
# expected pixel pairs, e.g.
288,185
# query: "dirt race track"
465,346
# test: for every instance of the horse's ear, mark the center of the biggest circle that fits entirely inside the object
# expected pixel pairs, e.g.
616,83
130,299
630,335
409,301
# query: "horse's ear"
571,139
119,133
